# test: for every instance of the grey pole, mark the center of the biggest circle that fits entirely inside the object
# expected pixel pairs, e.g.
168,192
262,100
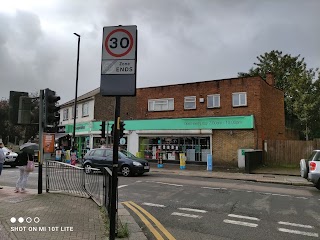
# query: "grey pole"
76,96
40,154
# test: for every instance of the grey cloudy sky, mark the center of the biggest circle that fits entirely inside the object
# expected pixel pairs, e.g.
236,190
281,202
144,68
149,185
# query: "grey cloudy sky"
178,40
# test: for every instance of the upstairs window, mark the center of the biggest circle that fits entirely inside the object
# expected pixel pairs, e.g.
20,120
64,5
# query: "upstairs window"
85,109
213,101
190,102
65,114
164,104
76,111
239,99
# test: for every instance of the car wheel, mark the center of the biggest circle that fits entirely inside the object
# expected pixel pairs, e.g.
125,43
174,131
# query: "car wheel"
303,168
87,168
126,171
318,184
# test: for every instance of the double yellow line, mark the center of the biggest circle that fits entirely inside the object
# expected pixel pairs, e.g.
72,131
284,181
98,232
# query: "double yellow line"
135,208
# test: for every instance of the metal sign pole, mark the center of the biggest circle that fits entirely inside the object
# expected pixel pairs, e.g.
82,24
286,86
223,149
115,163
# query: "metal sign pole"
41,117
114,181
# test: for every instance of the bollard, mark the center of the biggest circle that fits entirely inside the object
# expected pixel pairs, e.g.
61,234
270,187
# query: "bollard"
182,161
209,162
160,164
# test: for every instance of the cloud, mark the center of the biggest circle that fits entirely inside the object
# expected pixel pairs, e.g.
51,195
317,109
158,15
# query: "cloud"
178,41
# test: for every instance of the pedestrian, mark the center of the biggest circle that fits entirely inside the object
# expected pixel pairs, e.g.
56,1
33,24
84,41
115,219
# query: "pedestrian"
2,158
22,162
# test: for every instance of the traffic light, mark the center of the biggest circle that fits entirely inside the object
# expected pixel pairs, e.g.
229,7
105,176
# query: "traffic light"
14,102
24,112
51,110
121,129
103,129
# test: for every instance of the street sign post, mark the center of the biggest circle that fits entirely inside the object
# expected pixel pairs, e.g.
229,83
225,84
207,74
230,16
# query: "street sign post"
119,61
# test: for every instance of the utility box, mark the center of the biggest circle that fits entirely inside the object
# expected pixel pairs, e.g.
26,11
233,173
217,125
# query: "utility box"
241,156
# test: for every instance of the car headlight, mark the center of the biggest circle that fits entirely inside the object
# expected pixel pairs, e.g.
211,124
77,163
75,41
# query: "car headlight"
136,164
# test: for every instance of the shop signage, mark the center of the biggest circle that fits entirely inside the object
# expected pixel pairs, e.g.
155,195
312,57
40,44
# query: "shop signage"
234,122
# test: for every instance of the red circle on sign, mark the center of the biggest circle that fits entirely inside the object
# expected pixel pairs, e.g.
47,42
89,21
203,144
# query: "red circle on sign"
130,46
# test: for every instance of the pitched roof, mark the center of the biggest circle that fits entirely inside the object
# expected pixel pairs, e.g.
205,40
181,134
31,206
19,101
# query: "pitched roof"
82,97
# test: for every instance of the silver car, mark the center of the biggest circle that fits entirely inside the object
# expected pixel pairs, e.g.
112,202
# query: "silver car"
310,168
10,157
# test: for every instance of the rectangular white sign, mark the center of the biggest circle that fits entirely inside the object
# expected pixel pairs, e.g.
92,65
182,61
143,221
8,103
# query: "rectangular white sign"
118,67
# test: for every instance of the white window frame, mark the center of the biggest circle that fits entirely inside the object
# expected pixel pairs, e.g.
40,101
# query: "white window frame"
85,106
65,114
164,102
238,95
214,104
76,111
190,99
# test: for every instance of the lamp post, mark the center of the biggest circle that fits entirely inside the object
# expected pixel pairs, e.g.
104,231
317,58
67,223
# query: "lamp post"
76,96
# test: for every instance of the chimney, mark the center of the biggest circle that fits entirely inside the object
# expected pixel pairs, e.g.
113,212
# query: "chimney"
270,79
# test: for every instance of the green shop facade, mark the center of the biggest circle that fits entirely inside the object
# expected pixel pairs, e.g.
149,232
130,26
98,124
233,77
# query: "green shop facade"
165,139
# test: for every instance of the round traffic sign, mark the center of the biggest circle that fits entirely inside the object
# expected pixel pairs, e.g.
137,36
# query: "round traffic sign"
119,42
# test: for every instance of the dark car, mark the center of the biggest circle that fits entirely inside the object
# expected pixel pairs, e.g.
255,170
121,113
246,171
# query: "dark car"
102,157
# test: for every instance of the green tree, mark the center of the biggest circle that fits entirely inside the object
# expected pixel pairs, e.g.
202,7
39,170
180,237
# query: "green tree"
299,85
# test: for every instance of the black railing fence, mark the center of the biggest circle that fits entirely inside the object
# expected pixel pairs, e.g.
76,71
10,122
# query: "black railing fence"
89,182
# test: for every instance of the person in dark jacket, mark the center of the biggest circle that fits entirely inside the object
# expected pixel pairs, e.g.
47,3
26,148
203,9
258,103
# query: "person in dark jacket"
22,162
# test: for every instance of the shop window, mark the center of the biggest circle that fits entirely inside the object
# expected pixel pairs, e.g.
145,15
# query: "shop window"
213,101
239,99
164,104
190,102
65,114
85,109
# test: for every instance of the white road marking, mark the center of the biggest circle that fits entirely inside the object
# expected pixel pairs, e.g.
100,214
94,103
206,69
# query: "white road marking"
244,217
295,225
214,188
310,234
193,210
171,184
280,195
249,191
266,193
241,223
121,186
153,204
139,181
185,215
301,197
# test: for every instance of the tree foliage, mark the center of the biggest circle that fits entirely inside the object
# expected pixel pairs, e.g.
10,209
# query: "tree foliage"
300,86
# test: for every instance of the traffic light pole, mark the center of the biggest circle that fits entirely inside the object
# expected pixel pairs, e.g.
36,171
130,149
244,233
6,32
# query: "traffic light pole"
114,182
41,118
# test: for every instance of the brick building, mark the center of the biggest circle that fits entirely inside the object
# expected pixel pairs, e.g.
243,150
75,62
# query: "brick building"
226,98
215,117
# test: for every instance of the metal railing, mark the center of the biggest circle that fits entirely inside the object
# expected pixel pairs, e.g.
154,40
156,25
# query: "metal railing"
66,178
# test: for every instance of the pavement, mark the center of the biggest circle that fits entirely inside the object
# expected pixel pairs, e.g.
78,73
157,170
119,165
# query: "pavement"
49,216
288,176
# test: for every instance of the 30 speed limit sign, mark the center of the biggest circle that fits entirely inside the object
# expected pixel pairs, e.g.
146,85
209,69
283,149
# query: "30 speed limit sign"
118,63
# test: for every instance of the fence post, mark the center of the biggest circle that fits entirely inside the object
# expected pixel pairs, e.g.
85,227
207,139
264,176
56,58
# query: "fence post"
47,176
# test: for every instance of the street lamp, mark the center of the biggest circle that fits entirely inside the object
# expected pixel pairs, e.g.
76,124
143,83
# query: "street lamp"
76,96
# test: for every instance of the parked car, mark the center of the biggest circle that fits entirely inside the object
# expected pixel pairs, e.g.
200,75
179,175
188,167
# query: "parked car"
103,157
10,157
310,168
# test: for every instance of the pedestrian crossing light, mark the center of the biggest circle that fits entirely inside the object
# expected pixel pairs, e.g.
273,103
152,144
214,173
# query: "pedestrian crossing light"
121,129
51,110
103,129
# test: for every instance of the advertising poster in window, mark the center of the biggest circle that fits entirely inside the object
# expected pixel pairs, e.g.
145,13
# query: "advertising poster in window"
48,143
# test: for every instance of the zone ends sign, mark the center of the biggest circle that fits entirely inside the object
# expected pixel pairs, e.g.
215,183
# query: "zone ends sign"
119,61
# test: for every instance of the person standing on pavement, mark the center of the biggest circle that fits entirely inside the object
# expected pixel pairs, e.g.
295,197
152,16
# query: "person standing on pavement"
22,162
2,158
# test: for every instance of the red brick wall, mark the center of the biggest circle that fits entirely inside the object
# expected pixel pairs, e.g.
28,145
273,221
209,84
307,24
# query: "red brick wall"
273,119
104,108
201,89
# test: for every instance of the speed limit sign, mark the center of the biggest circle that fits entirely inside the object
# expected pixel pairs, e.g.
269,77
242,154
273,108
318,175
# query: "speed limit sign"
118,64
